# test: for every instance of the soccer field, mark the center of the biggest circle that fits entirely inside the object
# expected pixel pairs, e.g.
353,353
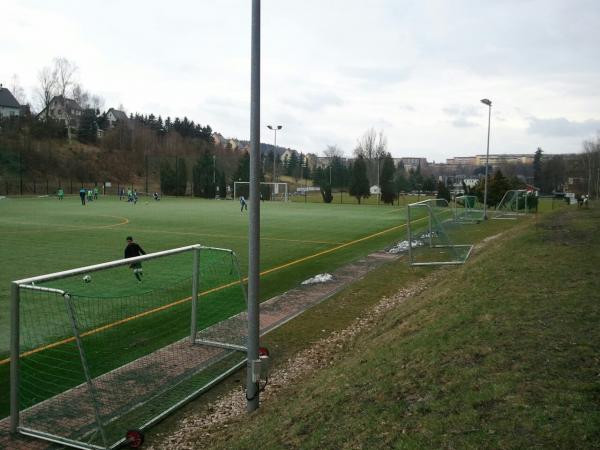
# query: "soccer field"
43,235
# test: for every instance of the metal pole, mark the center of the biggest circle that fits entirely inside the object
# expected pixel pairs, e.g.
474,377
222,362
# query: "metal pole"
274,151
597,181
195,283
146,161
252,392
14,357
409,234
487,157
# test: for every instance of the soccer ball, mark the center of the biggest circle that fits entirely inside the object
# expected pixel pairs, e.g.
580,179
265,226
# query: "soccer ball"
87,279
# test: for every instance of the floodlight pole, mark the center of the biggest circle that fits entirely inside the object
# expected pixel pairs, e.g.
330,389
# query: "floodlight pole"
485,101
274,128
252,391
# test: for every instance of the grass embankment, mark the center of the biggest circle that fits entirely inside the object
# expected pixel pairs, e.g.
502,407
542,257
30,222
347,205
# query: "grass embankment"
501,353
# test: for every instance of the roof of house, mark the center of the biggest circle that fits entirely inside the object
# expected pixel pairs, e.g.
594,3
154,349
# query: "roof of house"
7,99
119,115
67,102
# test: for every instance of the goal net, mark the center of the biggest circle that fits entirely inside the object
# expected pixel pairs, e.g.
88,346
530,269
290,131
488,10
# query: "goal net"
514,203
268,190
467,209
432,235
97,353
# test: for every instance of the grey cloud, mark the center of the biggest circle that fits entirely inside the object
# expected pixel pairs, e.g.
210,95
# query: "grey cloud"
315,101
462,122
378,75
461,115
562,127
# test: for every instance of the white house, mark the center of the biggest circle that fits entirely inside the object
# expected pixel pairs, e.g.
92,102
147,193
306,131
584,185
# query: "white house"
375,190
9,106
113,115
64,110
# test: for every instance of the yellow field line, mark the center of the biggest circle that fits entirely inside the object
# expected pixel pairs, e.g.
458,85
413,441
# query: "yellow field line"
210,291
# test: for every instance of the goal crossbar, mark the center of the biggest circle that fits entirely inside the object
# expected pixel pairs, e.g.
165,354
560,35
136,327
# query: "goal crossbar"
275,189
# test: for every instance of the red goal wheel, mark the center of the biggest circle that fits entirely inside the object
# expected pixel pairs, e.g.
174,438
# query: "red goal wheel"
134,438
263,351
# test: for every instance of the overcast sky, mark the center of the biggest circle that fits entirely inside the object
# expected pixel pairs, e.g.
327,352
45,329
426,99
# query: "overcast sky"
331,69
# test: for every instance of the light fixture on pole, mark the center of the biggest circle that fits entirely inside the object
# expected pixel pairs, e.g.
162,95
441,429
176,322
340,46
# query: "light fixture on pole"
485,101
274,128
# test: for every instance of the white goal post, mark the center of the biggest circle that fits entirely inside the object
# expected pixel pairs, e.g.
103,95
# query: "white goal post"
97,355
278,191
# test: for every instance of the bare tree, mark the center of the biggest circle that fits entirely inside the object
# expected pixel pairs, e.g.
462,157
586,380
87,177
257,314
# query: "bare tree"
366,145
591,160
17,90
46,89
333,151
372,147
65,74
81,96
381,146
97,102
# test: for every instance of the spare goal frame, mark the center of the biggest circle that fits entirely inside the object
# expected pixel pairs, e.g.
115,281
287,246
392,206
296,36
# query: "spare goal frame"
428,206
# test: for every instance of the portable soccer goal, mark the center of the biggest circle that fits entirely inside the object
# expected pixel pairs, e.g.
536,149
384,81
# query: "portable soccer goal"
268,190
467,209
514,203
430,243
98,356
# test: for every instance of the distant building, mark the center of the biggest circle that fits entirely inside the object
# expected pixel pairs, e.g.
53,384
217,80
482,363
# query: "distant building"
9,106
412,162
494,159
522,158
287,155
64,110
114,115
462,161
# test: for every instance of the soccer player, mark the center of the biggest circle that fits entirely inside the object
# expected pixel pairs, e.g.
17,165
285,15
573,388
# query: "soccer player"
82,194
132,250
243,203
60,193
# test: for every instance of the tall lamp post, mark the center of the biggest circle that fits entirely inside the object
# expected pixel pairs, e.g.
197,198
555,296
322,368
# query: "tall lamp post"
485,101
274,128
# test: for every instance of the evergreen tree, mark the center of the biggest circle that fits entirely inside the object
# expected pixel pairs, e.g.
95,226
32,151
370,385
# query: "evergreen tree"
359,183
292,165
443,192
167,179
386,180
497,187
537,168
88,128
326,193
180,177
221,185
202,177
400,182
429,184
243,171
